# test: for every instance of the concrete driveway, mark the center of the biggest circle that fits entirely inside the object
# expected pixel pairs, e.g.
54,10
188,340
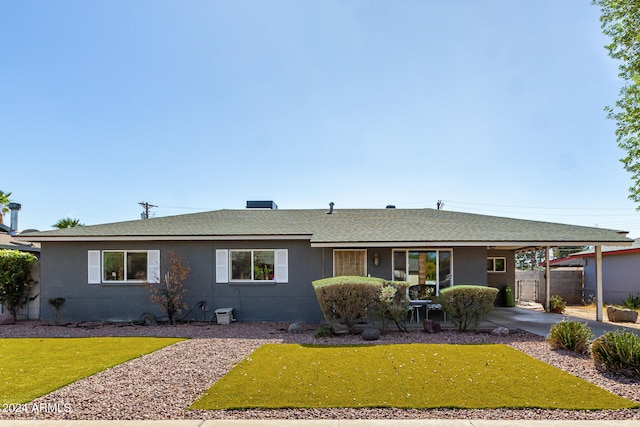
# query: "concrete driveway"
539,323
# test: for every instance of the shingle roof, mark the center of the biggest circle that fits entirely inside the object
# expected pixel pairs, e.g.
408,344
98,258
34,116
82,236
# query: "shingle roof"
343,227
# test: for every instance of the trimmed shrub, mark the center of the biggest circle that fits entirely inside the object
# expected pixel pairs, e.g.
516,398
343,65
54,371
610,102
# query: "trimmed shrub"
391,306
344,299
557,304
15,279
467,304
618,352
632,302
570,335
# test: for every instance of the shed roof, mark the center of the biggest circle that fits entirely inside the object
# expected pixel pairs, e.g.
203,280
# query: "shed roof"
345,227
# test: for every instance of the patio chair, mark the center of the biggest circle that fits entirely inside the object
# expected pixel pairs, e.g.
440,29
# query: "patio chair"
434,305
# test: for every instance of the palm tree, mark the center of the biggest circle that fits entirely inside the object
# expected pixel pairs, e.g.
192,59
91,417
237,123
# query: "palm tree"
67,223
4,205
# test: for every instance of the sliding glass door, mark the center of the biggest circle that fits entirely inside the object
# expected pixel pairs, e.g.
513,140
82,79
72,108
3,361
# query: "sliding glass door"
430,268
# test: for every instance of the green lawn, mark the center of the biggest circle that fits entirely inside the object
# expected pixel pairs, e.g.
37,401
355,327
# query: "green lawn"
32,367
402,376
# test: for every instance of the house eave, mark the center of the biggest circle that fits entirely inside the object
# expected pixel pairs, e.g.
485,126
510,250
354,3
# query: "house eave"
157,238
505,245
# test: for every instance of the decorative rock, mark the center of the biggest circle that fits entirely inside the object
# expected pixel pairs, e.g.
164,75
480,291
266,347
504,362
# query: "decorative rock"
295,328
431,327
371,334
621,315
6,319
500,332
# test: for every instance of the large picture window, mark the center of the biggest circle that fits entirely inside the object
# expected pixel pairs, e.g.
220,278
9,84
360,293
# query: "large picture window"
122,266
431,268
252,265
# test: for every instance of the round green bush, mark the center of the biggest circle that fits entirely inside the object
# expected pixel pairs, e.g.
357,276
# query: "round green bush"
570,335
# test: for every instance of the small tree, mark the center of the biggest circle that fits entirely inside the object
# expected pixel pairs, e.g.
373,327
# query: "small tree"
56,304
170,289
15,279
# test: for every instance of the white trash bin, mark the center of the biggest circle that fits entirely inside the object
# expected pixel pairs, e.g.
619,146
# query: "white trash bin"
224,316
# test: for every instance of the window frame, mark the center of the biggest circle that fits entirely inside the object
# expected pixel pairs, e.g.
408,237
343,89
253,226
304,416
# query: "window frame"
223,270
252,268
438,252
493,260
96,267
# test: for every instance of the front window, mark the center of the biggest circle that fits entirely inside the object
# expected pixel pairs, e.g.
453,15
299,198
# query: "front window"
252,265
496,264
124,266
429,268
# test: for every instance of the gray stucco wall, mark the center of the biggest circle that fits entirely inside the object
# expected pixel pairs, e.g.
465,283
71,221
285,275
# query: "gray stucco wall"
64,274
508,278
470,266
620,277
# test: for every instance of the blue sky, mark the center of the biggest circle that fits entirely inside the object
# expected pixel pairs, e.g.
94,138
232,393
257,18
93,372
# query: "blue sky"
494,107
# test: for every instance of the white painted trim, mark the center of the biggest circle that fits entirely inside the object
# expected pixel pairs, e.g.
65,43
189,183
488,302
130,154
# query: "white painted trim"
222,266
494,271
443,244
599,293
427,249
281,265
253,281
94,267
125,281
162,238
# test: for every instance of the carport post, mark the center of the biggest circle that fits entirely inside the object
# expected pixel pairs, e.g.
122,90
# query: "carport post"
547,280
599,283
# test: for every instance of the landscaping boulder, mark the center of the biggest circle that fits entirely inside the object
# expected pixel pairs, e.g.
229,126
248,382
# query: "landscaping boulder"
500,332
371,334
430,326
621,315
6,319
295,328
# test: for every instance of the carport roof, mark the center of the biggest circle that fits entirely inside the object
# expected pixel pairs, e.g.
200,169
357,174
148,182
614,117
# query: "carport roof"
345,228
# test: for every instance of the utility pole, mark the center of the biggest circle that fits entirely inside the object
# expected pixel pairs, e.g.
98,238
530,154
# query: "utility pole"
146,206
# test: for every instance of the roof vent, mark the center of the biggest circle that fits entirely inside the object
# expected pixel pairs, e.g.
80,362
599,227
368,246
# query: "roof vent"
15,207
330,208
391,206
261,204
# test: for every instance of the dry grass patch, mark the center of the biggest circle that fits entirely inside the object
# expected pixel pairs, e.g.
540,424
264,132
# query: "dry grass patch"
32,367
417,376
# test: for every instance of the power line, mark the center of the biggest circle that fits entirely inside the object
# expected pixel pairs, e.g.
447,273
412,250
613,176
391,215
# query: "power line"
146,206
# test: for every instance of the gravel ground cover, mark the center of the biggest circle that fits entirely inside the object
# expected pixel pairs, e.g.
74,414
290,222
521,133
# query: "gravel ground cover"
163,384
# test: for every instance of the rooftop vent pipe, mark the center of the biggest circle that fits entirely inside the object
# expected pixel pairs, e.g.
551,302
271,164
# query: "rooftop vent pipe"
14,207
330,208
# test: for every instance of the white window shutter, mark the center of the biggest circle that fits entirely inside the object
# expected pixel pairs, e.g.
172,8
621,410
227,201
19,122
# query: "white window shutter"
153,266
94,267
222,266
282,265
